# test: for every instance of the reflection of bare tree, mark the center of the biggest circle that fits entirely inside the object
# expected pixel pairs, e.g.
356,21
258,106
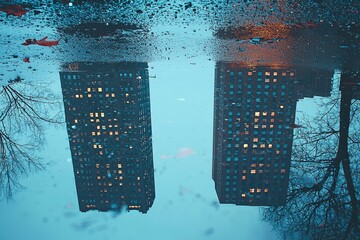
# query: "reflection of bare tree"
323,196
24,110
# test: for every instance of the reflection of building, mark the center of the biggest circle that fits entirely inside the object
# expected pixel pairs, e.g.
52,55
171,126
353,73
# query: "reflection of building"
314,82
350,80
107,109
253,130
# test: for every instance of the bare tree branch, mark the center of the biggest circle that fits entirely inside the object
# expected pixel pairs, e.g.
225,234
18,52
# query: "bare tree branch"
26,109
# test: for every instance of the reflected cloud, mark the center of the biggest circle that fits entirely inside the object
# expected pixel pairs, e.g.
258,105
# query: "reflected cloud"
184,152
209,231
83,225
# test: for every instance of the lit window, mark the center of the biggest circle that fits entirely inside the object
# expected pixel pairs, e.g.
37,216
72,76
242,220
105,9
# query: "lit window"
89,95
283,74
94,146
76,121
264,113
270,145
252,190
250,73
283,170
272,113
243,177
102,114
258,190
257,114
91,114
113,95
281,106
99,89
275,73
119,165
246,145
89,89
93,133
97,165
262,146
255,140
266,190
243,195
107,165
267,73
253,171
292,74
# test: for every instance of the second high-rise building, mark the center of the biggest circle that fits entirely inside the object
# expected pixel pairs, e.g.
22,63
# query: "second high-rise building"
107,107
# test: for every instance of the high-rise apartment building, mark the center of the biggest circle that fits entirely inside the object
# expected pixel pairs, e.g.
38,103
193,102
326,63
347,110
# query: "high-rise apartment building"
107,108
254,118
253,129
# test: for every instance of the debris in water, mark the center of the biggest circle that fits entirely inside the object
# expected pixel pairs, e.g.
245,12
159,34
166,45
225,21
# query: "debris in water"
41,42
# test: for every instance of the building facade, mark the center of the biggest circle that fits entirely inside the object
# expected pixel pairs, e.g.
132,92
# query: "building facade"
107,108
254,117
